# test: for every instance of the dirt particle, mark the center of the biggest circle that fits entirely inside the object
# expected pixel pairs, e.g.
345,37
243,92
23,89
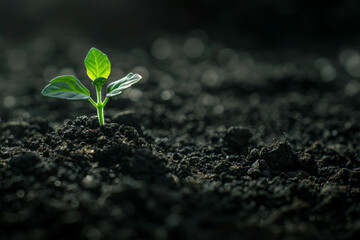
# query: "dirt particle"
355,177
25,160
279,156
101,140
254,173
238,137
341,176
307,163
128,118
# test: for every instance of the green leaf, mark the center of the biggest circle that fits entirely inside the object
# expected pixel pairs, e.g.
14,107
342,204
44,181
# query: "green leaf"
97,64
99,81
117,87
66,87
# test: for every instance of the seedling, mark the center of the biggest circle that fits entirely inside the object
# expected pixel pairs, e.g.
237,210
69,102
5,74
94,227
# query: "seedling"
98,69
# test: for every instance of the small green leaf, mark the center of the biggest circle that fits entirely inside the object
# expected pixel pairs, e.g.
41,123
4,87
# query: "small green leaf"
117,87
97,64
99,81
66,87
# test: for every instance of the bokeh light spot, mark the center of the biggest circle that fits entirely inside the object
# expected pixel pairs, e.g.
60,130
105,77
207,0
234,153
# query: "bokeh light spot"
210,78
194,47
352,88
9,101
161,49
167,95
326,69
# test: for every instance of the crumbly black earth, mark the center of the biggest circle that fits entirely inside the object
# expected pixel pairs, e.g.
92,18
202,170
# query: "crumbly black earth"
229,145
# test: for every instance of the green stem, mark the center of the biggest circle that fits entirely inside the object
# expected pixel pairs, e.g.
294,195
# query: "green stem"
92,102
105,101
100,106
100,112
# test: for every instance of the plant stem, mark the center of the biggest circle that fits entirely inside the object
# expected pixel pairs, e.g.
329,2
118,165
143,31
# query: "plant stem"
100,112
92,102
105,101
100,106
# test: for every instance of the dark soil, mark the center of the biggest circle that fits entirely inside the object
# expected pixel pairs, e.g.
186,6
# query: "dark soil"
231,144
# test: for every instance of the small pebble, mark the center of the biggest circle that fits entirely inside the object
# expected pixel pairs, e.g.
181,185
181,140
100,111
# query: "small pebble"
24,160
238,137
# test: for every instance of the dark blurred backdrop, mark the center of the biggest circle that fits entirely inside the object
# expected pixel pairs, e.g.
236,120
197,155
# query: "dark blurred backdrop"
291,23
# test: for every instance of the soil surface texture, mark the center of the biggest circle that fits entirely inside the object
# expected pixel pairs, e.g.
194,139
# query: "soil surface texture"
213,143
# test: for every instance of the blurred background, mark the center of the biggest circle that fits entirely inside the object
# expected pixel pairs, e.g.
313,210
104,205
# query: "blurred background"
188,51
290,23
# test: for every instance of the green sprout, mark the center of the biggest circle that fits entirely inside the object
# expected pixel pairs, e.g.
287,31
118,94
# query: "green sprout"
98,69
